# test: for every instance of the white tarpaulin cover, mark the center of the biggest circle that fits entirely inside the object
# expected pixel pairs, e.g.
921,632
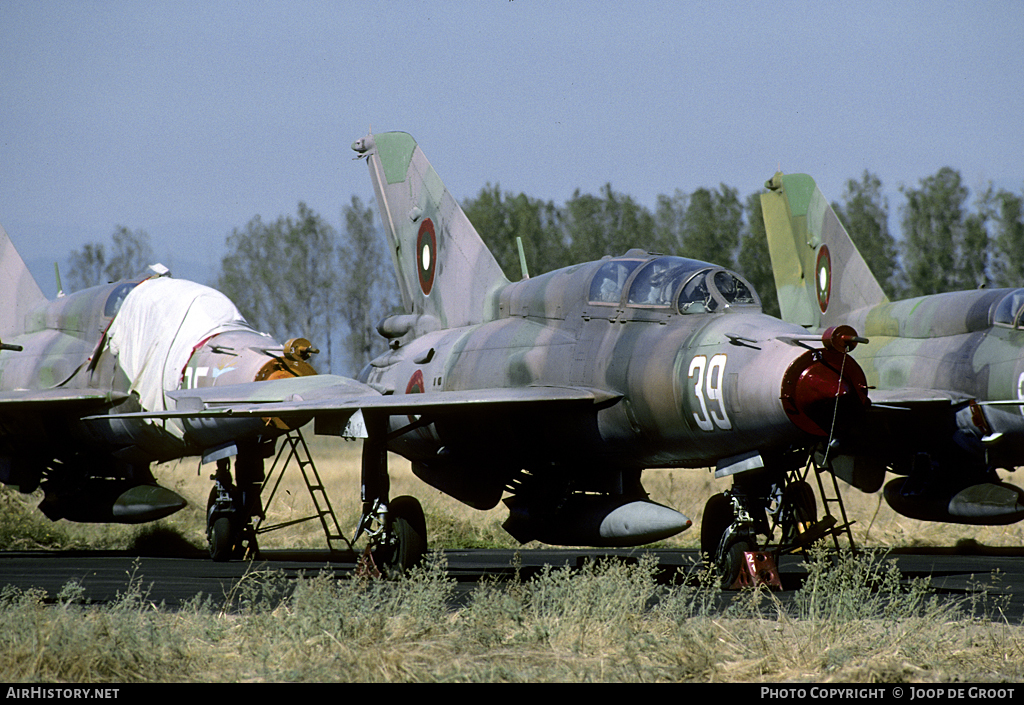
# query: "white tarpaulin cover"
159,325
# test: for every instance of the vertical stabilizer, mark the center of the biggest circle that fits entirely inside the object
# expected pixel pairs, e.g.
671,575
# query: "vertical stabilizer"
820,276
444,269
21,293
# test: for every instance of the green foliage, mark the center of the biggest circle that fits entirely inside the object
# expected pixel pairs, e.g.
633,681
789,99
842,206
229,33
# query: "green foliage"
501,218
753,261
296,277
943,246
1008,255
866,217
704,225
131,254
607,225
366,284
279,275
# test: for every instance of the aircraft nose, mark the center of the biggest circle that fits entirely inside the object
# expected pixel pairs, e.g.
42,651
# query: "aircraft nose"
823,389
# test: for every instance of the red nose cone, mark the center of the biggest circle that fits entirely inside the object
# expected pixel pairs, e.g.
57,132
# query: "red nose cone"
823,387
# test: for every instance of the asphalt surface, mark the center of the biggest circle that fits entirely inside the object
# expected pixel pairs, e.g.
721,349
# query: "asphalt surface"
992,579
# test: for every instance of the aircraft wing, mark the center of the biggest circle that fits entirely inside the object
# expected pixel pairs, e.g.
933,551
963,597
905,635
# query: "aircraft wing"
907,398
330,395
24,398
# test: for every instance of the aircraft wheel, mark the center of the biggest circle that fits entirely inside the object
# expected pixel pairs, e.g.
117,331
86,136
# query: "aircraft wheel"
221,539
733,560
717,518
409,528
799,512
800,498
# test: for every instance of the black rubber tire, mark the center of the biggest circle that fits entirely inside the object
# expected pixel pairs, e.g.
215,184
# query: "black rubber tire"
410,529
733,561
799,497
716,519
221,540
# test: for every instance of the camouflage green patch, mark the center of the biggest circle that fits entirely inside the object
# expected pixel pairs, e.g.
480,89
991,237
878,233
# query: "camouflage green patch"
881,322
395,151
799,188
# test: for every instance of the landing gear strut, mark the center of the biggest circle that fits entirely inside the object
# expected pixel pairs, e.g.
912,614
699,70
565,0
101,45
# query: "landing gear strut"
761,502
396,528
232,506
726,533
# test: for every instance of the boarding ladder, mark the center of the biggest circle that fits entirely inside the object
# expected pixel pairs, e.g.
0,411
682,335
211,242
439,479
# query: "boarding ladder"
807,533
294,448
833,497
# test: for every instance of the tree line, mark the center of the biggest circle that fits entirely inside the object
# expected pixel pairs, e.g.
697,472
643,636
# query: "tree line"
299,276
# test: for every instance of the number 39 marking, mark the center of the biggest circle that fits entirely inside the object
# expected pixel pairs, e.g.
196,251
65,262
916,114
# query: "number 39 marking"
708,390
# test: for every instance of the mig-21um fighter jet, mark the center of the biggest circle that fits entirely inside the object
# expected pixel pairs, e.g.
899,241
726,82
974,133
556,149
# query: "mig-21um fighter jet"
946,371
71,367
555,392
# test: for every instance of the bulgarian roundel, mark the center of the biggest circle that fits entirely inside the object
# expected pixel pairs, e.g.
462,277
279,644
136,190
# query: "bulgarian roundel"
823,277
416,385
426,255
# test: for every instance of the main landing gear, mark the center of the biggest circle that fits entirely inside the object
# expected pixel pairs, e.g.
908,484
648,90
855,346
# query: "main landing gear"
396,528
232,505
760,503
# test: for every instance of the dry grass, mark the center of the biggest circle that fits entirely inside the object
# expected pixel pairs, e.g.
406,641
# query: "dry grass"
609,621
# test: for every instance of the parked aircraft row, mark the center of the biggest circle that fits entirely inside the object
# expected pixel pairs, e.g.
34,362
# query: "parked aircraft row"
551,394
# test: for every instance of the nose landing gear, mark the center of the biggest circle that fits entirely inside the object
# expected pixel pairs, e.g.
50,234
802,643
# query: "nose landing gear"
735,519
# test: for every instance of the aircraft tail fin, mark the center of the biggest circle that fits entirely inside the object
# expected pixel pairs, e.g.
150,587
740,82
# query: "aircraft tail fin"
445,270
21,294
820,276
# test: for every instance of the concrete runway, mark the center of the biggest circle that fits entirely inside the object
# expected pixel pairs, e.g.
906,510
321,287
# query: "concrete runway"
990,576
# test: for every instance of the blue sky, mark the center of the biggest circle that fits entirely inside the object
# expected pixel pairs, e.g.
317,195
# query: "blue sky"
188,119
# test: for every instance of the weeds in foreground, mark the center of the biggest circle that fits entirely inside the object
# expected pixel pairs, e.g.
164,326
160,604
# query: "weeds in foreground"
853,620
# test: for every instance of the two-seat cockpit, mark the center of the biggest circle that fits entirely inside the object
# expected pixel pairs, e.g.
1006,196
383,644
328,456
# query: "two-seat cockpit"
674,284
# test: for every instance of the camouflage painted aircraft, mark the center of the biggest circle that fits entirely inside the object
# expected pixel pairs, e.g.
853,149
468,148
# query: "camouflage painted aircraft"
946,371
70,367
556,391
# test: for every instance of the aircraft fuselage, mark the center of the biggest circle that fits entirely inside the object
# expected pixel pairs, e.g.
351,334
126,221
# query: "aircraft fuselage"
685,383
98,352
968,343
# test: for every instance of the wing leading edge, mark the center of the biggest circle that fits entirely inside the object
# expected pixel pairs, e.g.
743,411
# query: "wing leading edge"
340,396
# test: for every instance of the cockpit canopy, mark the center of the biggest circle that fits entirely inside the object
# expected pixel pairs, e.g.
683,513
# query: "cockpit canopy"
673,283
1010,311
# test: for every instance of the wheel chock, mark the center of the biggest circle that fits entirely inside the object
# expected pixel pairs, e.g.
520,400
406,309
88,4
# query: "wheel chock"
758,569
366,567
